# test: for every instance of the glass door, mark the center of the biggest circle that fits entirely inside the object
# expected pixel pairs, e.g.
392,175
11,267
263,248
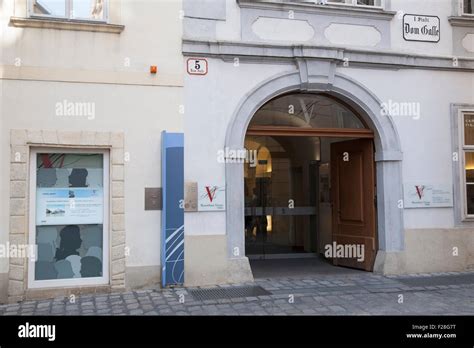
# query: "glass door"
280,196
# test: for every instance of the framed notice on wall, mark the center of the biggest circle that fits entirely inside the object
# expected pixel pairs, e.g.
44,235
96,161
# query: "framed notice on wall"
422,195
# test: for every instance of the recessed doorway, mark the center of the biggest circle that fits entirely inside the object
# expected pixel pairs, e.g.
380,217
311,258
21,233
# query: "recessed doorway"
310,188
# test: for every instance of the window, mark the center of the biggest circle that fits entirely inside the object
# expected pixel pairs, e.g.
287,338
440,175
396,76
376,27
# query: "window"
468,163
69,218
467,7
371,3
90,10
306,111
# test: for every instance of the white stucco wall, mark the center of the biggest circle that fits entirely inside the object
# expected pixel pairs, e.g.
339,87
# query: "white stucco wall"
4,188
111,71
231,28
426,87
426,142
441,8
211,101
153,39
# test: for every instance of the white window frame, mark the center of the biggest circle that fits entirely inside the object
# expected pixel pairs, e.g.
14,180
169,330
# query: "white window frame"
354,3
69,5
461,10
73,282
462,160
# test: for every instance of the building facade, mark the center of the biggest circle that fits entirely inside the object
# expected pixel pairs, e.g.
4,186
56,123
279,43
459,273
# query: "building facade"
308,85
83,110
338,130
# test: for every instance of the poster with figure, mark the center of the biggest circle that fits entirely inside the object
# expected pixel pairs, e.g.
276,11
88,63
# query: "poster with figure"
72,251
68,206
211,197
423,195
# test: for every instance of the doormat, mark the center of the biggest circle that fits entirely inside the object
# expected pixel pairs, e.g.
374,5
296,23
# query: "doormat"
228,293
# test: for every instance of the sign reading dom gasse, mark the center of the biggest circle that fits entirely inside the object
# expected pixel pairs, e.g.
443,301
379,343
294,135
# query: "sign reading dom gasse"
421,28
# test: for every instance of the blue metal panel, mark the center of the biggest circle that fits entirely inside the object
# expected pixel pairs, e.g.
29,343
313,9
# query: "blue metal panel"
172,218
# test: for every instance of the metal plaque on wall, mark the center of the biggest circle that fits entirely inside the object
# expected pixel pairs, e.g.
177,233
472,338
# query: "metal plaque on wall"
153,198
190,196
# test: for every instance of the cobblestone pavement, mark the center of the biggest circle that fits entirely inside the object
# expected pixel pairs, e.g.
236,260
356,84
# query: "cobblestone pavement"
356,294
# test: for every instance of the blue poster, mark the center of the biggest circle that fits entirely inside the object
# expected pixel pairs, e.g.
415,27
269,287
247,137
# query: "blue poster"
172,218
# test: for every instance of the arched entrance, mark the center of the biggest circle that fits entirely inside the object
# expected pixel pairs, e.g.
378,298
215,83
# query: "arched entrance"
319,77
310,188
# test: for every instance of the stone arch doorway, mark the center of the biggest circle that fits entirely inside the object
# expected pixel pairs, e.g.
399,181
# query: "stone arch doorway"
388,157
310,189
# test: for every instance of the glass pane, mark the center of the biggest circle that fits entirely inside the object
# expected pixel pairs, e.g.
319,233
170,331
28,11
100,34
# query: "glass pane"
470,167
306,111
69,216
280,174
88,9
55,8
470,199
469,129
468,6
367,2
69,251
340,1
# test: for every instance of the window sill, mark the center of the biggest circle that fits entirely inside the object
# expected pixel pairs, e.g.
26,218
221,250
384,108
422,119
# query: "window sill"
331,10
59,24
462,21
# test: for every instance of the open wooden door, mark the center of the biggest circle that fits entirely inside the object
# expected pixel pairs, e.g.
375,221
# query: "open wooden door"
353,201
